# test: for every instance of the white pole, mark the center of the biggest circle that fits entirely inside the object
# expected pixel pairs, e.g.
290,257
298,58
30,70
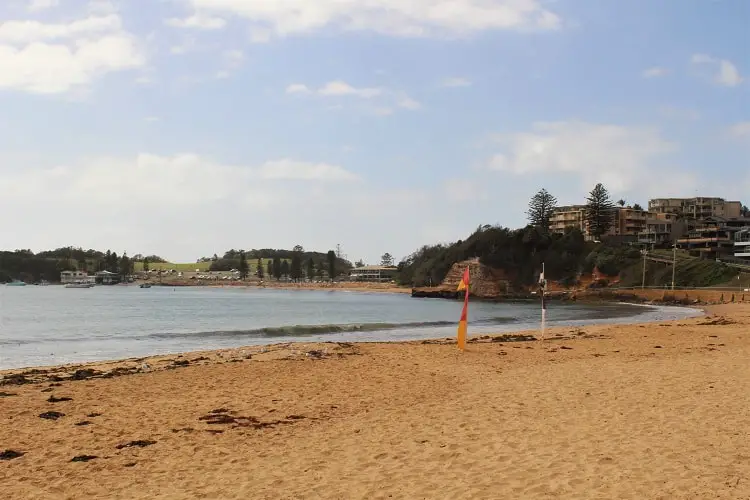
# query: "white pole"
543,287
674,262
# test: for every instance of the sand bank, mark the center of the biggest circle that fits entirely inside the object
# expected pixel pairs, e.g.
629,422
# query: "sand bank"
607,411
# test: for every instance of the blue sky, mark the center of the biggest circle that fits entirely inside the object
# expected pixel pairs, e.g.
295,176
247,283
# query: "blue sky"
194,126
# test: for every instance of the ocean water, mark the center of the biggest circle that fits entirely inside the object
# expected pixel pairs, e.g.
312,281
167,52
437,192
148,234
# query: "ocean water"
53,325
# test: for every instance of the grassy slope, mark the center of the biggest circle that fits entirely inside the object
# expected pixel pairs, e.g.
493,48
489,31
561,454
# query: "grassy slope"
192,266
689,273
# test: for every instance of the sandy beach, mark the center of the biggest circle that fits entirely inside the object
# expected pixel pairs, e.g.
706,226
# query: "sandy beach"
607,411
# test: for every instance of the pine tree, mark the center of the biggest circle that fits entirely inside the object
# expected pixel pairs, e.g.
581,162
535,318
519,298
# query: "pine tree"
295,270
277,267
600,212
259,271
124,265
310,269
269,268
386,260
285,271
541,208
331,256
243,267
145,264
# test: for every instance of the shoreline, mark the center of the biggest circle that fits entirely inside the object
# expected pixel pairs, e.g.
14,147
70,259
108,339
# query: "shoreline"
613,411
346,337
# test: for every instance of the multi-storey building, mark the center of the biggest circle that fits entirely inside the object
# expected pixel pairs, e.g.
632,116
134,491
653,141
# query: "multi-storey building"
715,237
626,221
742,243
696,208
568,216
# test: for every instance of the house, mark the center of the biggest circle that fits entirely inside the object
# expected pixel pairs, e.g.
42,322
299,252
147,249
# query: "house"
377,274
107,278
73,277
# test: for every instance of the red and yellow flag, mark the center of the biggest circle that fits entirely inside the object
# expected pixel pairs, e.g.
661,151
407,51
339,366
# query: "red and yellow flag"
463,285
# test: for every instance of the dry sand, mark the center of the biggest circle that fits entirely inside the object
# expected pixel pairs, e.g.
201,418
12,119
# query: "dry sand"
639,411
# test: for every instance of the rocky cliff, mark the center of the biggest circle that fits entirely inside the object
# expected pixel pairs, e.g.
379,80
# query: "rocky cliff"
484,282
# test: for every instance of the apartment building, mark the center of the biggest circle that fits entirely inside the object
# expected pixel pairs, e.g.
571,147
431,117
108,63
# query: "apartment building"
716,238
628,221
696,208
568,216
742,243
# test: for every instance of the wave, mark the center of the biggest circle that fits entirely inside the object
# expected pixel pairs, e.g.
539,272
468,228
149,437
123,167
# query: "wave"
309,330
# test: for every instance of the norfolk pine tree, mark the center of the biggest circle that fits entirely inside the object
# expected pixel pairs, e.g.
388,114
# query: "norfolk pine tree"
541,207
600,212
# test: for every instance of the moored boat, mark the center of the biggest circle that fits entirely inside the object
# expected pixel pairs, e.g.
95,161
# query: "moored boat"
145,285
79,285
16,283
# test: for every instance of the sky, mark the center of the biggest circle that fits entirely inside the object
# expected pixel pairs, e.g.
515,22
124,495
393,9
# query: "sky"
184,128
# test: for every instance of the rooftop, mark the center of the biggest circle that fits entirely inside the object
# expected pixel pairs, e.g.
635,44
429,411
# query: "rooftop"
375,268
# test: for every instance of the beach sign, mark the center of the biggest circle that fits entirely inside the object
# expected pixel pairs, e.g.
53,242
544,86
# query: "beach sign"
463,285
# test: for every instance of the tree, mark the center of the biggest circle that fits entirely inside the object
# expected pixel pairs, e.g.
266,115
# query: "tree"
244,269
331,257
295,271
386,260
621,202
541,208
744,211
285,271
600,212
298,249
636,206
259,271
359,263
269,268
145,264
124,264
310,269
277,267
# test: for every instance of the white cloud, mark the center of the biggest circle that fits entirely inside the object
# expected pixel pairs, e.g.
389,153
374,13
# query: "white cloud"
50,58
407,102
622,158
101,7
740,130
298,88
152,119
724,72
27,31
655,72
198,21
413,18
455,82
341,88
38,5
203,206
287,169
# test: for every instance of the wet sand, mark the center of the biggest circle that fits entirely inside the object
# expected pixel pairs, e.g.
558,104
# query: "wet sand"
607,411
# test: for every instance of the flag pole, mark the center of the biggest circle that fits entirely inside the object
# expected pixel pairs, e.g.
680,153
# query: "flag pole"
542,290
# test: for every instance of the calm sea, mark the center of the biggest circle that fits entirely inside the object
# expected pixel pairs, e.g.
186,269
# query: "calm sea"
54,325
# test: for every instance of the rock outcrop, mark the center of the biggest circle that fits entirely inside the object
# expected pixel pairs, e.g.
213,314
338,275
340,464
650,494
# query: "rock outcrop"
484,282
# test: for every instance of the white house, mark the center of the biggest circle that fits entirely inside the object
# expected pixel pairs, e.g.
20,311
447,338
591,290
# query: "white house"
73,277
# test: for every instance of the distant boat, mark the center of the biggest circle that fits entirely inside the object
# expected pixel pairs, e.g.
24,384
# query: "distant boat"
145,285
79,285
16,283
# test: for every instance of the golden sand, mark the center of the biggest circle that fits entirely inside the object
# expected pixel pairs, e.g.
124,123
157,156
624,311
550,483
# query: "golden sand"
637,411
